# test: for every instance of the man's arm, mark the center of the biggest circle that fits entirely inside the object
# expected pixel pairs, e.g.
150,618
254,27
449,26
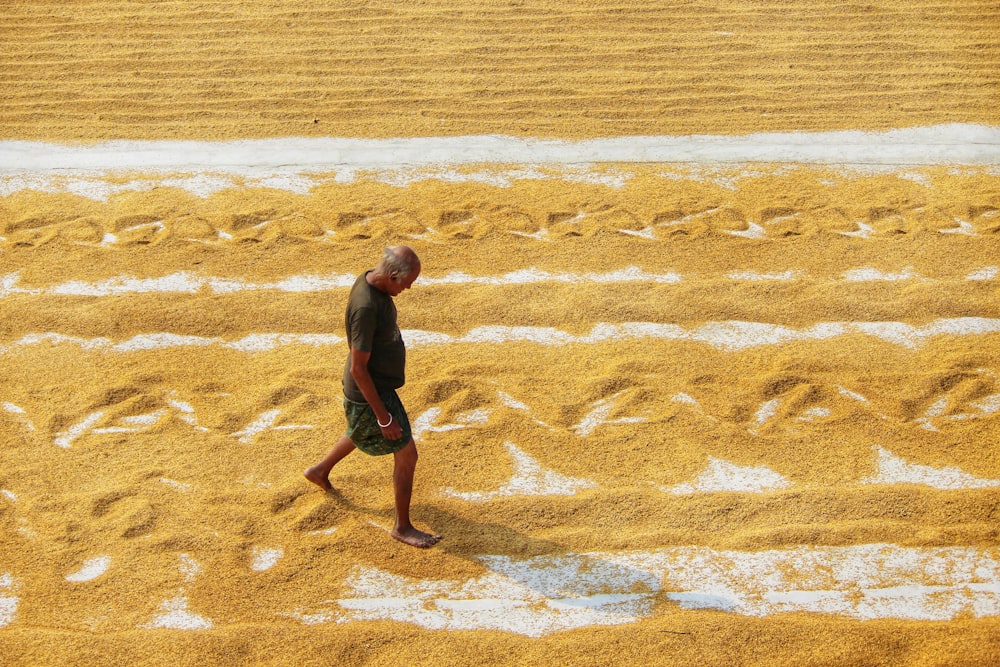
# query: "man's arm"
359,371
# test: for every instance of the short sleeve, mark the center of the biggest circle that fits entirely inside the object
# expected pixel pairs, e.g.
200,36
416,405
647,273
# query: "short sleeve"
361,328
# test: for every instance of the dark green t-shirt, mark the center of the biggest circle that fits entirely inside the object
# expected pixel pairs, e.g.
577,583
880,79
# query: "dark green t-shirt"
371,327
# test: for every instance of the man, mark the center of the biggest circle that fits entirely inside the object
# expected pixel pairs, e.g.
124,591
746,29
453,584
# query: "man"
376,420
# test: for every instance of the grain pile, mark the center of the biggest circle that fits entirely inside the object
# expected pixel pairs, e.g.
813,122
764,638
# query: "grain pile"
677,414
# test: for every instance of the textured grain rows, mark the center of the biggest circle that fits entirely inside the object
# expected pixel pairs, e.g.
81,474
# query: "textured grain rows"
657,203
93,70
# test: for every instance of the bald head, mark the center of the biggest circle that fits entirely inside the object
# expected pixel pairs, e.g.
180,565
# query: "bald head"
397,271
399,260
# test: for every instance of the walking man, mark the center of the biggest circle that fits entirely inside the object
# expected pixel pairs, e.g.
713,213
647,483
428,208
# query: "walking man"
377,423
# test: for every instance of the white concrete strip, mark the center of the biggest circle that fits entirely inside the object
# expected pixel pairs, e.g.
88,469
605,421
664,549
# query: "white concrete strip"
951,144
183,282
729,336
548,594
188,283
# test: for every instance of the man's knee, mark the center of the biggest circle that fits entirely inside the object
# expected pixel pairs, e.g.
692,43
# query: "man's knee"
407,455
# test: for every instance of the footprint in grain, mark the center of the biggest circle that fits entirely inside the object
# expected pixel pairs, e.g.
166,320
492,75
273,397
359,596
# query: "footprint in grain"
283,404
120,410
954,398
306,511
791,402
125,513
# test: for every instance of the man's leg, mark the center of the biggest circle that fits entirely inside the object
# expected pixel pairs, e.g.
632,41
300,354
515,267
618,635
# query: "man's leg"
402,480
319,474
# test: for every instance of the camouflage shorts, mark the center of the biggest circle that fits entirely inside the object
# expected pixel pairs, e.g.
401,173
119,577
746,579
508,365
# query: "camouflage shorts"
364,431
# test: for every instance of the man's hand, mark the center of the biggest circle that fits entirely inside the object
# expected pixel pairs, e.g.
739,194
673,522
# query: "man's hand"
392,430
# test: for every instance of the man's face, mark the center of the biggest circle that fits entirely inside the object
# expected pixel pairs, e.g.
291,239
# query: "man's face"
397,284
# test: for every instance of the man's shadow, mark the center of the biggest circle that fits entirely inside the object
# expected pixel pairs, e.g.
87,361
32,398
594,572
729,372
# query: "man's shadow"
463,536
564,578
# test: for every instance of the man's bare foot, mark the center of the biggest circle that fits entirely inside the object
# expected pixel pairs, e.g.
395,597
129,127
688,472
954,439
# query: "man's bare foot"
415,538
318,478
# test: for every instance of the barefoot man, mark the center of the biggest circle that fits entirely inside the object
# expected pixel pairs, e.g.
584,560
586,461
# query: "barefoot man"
376,421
